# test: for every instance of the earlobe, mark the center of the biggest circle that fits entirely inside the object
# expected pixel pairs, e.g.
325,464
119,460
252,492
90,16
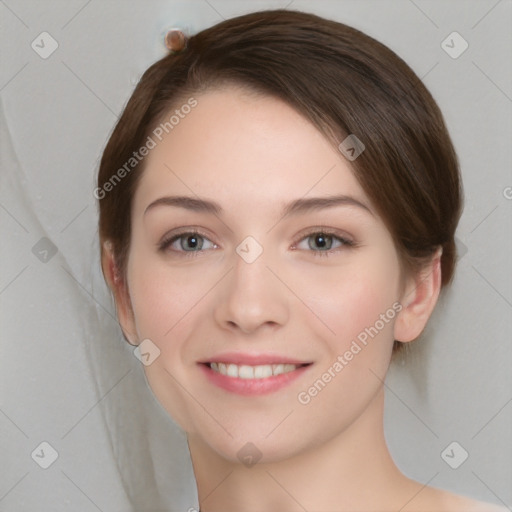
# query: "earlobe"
119,289
418,300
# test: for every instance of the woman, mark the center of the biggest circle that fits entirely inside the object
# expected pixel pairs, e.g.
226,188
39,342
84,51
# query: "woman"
278,203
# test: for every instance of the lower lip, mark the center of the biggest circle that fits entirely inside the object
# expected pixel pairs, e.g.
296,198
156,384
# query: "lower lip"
252,386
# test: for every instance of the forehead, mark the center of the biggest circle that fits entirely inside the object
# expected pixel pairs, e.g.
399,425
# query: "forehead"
237,146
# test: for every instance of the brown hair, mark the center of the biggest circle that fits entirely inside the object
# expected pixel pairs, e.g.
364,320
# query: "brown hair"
342,81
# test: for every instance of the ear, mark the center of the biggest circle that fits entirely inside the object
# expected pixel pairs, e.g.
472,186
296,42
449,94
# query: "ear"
118,286
418,300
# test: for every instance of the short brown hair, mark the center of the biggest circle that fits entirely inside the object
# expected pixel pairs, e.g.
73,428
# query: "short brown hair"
342,81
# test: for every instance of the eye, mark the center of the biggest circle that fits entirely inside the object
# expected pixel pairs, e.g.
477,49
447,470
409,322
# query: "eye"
320,242
190,241
324,243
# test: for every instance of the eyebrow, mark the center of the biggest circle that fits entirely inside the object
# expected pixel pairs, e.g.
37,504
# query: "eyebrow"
298,206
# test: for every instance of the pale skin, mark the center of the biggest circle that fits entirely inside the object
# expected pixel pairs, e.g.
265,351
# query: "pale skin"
253,154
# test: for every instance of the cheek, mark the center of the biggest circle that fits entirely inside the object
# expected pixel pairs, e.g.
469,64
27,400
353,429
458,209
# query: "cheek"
163,303
358,307
161,297
354,300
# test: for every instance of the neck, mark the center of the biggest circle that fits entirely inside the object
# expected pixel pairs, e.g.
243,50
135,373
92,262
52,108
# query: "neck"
352,471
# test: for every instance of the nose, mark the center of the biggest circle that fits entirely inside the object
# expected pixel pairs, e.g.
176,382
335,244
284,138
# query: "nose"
251,298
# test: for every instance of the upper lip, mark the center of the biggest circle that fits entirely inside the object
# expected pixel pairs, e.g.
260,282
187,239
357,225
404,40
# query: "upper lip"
253,359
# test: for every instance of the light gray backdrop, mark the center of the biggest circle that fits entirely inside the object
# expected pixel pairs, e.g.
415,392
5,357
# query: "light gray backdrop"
68,379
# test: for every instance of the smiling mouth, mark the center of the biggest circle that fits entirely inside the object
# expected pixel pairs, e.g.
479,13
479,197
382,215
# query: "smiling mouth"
253,372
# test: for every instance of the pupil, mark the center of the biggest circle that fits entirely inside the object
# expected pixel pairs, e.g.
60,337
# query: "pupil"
320,240
192,241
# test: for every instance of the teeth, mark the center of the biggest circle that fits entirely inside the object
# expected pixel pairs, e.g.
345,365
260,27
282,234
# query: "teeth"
262,372
232,370
277,369
246,372
252,372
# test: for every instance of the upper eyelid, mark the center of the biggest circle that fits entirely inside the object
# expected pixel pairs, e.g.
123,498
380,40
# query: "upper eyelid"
336,233
168,239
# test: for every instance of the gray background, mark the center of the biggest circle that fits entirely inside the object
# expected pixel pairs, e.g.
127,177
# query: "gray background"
66,375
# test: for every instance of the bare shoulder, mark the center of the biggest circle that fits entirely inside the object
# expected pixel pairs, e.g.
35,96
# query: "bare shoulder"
466,504
444,501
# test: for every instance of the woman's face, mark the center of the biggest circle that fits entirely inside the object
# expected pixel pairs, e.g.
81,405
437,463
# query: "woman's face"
257,289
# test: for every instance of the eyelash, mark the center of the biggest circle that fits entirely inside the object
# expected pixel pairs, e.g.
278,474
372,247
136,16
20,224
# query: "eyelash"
162,246
330,233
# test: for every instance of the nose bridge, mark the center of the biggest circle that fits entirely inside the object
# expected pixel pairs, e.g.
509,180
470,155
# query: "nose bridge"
250,276
252,296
